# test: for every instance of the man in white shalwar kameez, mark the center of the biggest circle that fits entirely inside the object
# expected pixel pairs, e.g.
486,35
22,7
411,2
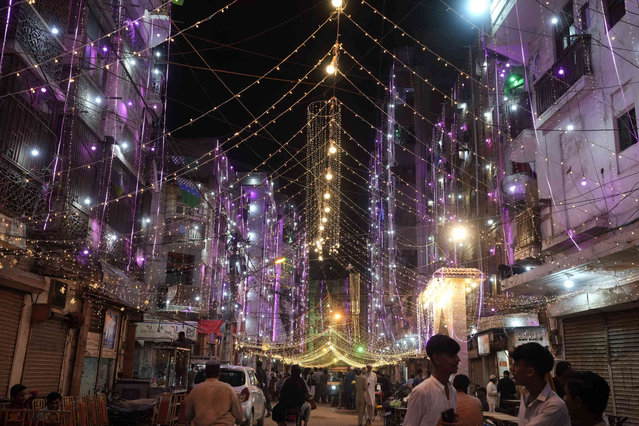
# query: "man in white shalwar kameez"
371,380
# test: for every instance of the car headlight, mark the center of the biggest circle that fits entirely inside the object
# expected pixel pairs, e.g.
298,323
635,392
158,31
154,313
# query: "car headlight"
333,387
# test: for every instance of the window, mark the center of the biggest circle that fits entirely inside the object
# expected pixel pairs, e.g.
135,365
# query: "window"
565,30
232,377
584,16
179,269
58,294
627,128
614,11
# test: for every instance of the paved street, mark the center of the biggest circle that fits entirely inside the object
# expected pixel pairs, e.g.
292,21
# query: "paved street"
327,415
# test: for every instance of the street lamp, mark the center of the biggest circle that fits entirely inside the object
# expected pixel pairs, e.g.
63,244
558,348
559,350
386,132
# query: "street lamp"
478,7
459,233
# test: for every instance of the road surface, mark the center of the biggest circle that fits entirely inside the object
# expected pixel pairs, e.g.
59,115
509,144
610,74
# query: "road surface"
327,415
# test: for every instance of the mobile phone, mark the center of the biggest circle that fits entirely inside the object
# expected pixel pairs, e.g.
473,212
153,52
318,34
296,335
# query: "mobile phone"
448,416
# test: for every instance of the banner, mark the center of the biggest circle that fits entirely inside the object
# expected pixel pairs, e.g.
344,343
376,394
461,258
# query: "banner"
164,330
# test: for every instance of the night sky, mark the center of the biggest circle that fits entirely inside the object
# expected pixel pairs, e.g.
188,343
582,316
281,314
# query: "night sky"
254,35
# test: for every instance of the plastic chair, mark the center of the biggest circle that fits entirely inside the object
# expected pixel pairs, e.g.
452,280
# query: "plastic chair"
52,418
180,408
15,417
68,405
162,412
38,404
82,418
101,410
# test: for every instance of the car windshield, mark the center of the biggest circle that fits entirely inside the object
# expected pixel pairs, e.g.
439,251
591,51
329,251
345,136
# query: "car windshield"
233,378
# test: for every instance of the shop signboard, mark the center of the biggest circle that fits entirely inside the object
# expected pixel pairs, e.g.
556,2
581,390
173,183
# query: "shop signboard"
161,330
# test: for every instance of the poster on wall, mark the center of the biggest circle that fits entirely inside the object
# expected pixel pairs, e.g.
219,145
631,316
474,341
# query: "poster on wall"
503,363
483,344
110,335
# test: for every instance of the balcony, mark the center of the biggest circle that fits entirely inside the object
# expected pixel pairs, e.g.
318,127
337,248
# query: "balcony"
573,64
180,298
520,187
528,240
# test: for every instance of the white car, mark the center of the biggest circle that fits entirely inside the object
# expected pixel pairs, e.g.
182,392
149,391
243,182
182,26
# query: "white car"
244,383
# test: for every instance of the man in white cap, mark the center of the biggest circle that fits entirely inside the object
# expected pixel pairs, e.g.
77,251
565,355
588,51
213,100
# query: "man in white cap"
491,393
213,403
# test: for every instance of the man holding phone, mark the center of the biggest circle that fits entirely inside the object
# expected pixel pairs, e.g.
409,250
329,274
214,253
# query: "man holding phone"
434,400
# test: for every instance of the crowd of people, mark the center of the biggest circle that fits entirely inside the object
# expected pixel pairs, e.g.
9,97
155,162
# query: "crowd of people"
571,397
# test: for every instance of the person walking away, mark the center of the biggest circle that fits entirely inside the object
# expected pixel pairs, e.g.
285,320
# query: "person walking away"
491,393
324,384
506,388
586,397
469,410
317,381
348,388
294,393
280,383
262,380
435,395
213,402
360,395
410,381
272,386
539,404
385,384
562,370
418,378
371,386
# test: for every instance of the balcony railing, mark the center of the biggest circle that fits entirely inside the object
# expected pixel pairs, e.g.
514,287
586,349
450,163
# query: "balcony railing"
528,229
573,64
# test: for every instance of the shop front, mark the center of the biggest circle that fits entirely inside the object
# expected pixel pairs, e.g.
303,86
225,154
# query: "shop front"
495,338
101,352
162,353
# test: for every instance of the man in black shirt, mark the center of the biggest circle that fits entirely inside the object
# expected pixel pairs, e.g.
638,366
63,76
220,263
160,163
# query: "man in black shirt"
506,387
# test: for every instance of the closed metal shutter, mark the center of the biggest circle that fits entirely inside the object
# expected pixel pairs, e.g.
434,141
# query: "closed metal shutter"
43,363
623,338
585,344
10,309
608,344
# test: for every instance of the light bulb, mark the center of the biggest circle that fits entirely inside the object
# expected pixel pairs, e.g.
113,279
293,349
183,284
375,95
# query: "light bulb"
478,7
324,220
327,209
330,69
327,195
332,149
329,176
336,3
321,228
